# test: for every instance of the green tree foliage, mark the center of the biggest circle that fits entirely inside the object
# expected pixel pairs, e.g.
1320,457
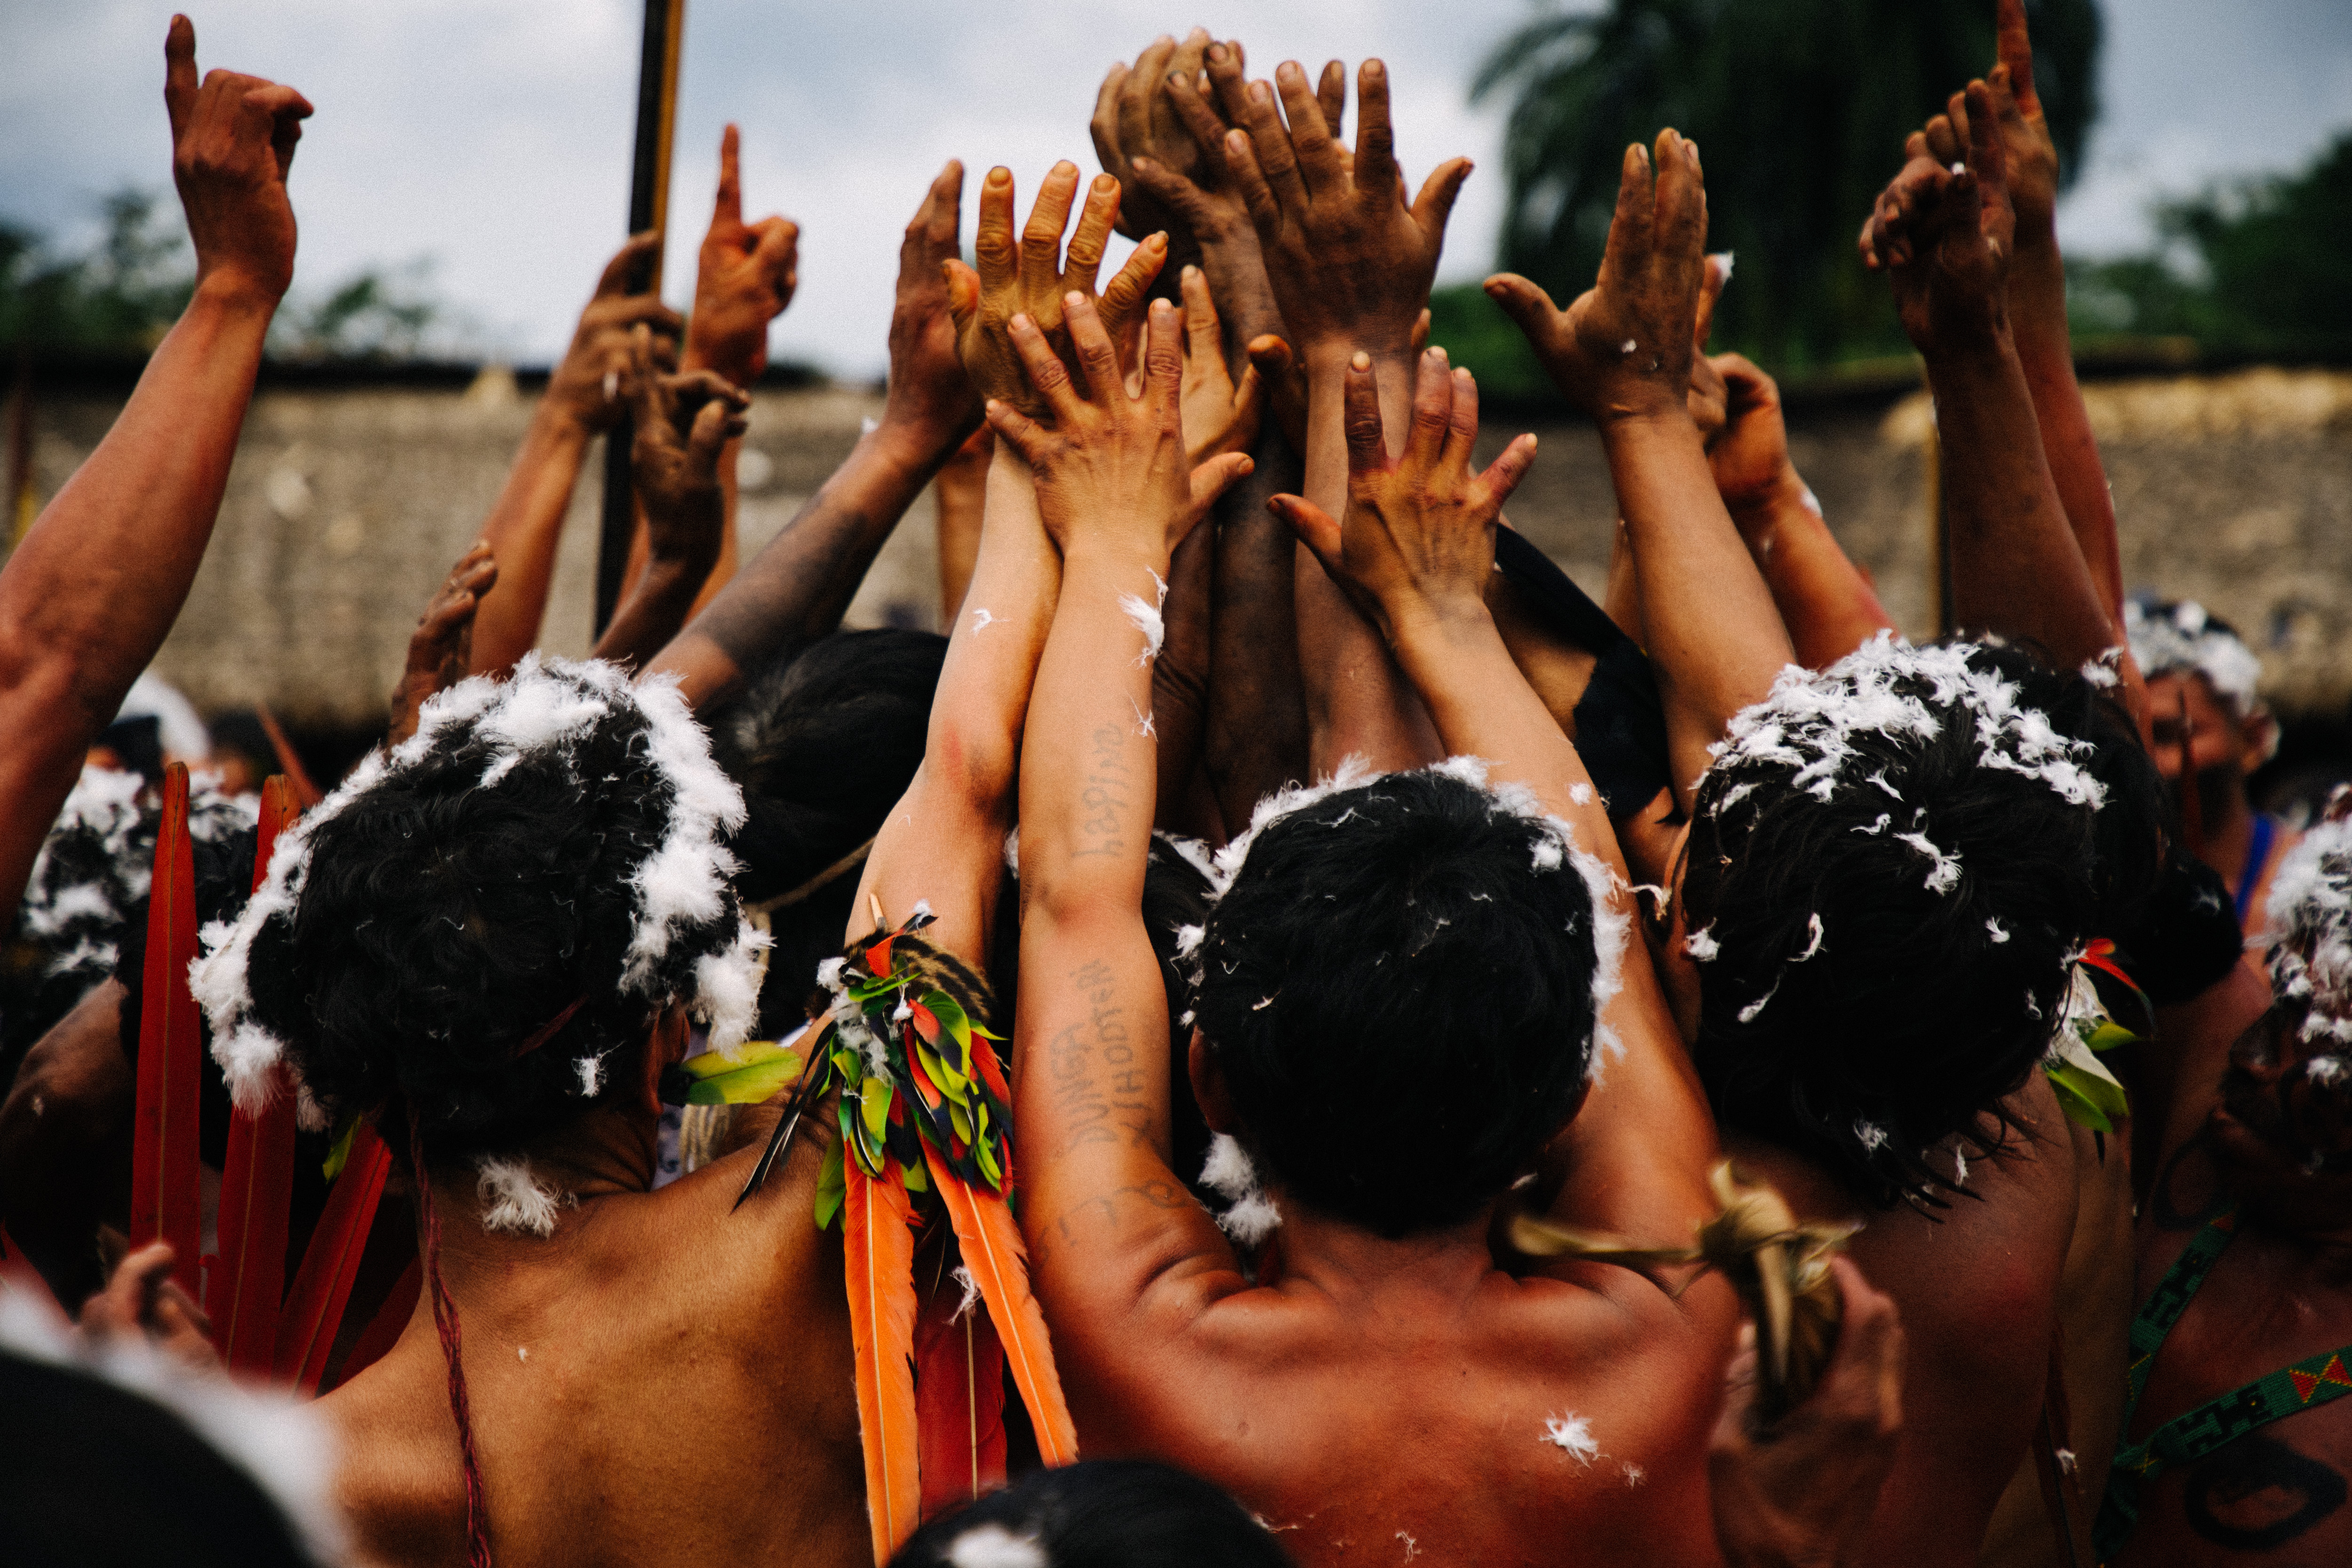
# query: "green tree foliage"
2261,267
122,295
1800,109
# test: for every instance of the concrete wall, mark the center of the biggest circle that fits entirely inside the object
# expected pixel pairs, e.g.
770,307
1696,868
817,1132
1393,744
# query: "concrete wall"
345,508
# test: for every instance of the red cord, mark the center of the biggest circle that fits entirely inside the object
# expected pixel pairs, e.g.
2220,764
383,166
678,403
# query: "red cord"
445,1318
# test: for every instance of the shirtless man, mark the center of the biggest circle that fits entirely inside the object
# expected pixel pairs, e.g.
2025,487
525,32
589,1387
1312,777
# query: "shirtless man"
1396,1018
1866,944
597,1372
2202,699
2233,1451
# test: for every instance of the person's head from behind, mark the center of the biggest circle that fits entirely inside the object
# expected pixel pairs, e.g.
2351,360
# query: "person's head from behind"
480,929
2202,691
1103,1514
1891,866
1396,1002
2283,1130
822,744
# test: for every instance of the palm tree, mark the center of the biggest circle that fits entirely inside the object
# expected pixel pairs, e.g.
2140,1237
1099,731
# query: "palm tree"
1799,108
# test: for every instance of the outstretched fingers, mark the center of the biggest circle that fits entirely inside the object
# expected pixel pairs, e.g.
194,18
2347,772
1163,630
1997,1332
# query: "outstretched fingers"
1024,435
1310,133
1510,466
1434,204
1045,368
181,80
1987,154
932,232
1368,452
1163,363
1271,144
1203,333
1041,241
1097,355
1631,225
1092,237
1257,194
1531,310
1376,167
2015,46
1432,410
1123,297
995,257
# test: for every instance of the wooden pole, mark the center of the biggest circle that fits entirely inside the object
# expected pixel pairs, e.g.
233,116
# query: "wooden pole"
648,209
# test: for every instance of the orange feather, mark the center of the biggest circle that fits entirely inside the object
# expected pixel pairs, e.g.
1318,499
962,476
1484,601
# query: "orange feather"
992,1247
958,1400
257,1181
164,1202
878,1243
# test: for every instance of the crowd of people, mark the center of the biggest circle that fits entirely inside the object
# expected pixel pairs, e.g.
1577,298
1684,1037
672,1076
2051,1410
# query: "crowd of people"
1292,1034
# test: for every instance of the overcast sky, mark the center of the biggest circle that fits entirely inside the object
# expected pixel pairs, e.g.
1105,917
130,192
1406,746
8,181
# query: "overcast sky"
492,136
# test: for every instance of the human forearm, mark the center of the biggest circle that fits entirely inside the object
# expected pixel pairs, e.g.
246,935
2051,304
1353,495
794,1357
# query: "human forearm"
2037,312
1827,607
1256,738
523,531
796,590
945,841
1711,630
655,608
2016,569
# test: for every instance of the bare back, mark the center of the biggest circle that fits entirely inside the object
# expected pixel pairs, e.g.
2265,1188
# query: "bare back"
1979,1289
660,1382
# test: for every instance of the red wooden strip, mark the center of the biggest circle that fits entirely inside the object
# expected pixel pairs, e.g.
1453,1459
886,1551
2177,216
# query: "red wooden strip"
257,1181
314,1310
165,1198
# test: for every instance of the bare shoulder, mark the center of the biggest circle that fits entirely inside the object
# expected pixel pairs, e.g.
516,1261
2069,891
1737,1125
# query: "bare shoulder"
396,1481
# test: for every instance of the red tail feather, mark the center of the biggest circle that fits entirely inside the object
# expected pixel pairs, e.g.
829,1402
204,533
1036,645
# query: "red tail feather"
164,1192
879,1240
314,1308
256,1182
992,1251
958,1400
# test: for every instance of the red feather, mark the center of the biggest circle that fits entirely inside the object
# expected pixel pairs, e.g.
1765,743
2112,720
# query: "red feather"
992,1251
164,1202
878,1246
322,1286
958,1400
257,1181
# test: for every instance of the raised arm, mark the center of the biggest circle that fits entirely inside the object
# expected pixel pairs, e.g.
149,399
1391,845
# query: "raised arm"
797,588
89,594
1827,605
944,842
1351,262
1416,549
682,425
583,400
1106,1219
1622,354
1944,239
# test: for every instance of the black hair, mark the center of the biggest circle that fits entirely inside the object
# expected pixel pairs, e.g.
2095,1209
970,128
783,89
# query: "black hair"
1176,898
1398,988
447,923
823,743
1884,950
1102,1513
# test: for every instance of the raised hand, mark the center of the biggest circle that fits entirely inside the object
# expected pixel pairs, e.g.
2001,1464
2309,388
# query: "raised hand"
1112,464
1135,118
1623,348
682,423
1032,278
931,398
2024,134
585,389
1218,417
233,141
1350,261
143,1301
745,279
1418,544
1708,395
1944,236
1749,457
441,649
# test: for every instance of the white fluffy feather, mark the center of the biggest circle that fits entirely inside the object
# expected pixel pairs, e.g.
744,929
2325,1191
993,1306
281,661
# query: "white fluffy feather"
514,1199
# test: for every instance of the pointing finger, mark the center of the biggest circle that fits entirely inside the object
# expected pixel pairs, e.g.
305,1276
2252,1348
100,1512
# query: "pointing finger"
180,79
729,212
2015,47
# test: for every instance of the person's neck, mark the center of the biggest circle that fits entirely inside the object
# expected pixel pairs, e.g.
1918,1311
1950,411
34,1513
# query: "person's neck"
2319,1227
1345,1259
609,1150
